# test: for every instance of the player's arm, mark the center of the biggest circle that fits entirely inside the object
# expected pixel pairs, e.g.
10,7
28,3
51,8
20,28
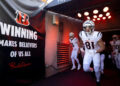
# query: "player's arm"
102,46
81,45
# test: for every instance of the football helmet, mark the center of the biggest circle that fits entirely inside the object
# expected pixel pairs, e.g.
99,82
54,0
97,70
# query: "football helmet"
71,34
90,24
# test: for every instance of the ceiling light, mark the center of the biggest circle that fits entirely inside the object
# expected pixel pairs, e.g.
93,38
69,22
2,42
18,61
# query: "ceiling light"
100,15
109,17
93,19
108,13
105,9
86,13
104,18
98,18
95,16
88,18
79,15
95,11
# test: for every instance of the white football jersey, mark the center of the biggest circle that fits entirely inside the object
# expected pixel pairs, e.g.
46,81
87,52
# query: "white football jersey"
115,45
90,41
74,42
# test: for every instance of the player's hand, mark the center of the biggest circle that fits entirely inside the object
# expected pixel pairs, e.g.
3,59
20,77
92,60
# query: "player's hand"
95,51
82,50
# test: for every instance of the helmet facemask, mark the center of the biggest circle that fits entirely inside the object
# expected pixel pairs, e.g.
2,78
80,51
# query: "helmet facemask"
71,35
91,29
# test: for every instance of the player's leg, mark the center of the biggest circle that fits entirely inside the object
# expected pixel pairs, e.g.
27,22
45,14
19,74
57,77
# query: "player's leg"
102,57
86,62
73,60
75,57
96,63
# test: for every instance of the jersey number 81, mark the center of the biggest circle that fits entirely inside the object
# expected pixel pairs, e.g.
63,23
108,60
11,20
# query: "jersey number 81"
89,45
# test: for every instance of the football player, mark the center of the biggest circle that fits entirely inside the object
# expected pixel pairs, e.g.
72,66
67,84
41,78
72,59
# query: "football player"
74,41
115,43
93,43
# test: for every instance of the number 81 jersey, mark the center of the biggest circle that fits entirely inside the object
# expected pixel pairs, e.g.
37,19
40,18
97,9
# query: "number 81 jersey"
90,41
